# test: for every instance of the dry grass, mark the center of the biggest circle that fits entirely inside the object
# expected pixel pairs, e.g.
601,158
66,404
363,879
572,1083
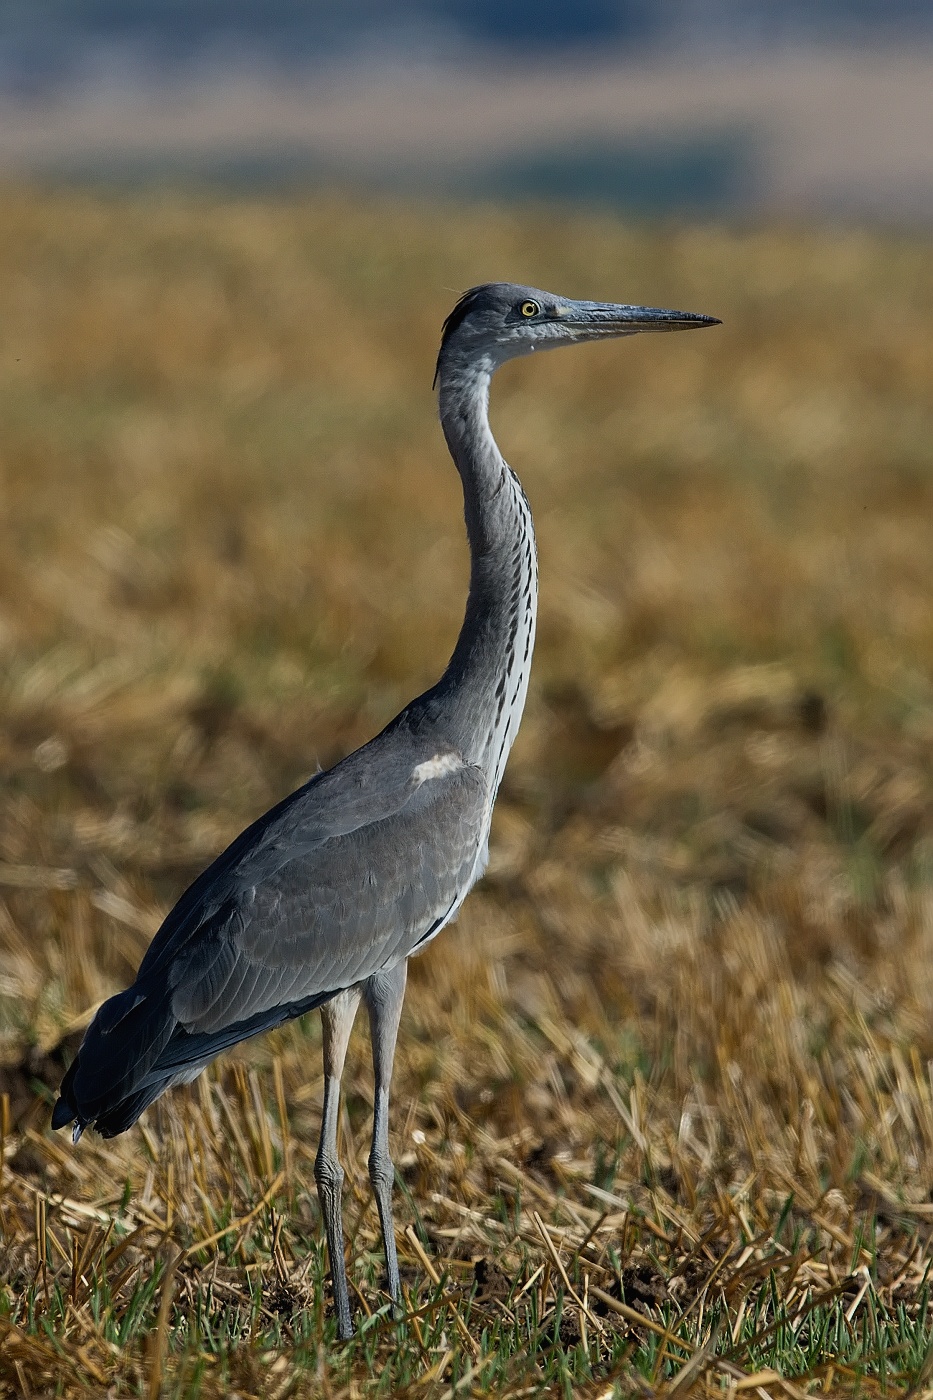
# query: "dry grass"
669,1078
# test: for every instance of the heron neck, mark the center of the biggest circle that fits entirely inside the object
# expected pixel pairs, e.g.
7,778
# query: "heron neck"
486,681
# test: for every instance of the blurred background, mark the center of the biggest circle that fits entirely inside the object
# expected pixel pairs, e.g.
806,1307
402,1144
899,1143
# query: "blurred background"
738,106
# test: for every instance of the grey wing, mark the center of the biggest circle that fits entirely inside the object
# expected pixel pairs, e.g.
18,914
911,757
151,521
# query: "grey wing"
348,906
340,880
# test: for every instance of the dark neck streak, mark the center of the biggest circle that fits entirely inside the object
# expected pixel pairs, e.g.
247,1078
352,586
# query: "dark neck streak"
486,680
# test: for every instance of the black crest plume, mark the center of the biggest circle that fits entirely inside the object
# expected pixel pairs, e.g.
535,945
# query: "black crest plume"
456,318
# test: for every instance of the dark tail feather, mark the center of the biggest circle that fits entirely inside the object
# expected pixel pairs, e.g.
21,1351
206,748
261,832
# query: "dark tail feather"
111,1120
123,1115
64,1112
116,1057
134,1049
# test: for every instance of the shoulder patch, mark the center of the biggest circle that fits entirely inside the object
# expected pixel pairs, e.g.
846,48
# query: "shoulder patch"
437,767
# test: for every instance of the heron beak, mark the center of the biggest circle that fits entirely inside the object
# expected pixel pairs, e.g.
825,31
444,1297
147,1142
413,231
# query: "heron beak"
590,319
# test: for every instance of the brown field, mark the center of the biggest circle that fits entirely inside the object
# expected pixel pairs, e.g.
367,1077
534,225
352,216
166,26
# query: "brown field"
663,1111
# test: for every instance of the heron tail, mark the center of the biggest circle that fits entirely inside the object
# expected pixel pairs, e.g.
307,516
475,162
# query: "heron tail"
135,1048
109,1082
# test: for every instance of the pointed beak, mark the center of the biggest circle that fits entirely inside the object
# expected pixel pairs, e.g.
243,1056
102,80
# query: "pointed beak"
593,319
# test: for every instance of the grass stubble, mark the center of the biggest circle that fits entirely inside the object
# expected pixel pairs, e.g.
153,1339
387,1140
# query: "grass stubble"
663,1105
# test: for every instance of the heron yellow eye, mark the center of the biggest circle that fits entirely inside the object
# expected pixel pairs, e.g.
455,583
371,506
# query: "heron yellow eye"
530,308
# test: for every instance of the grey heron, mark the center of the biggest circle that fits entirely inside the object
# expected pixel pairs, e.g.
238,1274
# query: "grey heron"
322,901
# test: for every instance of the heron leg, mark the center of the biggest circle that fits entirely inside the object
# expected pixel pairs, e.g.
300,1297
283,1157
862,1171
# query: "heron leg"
337,1017
384,994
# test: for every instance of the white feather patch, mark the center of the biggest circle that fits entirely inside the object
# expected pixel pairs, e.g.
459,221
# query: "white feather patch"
437,767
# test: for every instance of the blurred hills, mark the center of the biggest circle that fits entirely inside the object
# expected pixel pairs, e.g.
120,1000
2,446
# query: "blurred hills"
701,106
48,41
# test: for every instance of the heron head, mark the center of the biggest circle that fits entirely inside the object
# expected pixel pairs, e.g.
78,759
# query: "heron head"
499,321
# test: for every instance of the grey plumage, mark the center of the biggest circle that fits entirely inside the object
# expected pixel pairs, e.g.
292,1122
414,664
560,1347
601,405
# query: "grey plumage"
322,900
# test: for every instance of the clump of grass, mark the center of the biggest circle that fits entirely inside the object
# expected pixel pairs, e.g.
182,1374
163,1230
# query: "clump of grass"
663,1116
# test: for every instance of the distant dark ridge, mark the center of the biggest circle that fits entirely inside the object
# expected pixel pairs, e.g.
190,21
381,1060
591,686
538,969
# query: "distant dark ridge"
42,35
711,173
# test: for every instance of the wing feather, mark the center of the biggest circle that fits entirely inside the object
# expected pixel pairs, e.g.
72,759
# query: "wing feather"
339,911
351,873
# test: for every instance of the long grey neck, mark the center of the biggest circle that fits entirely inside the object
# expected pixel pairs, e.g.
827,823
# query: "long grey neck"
484,687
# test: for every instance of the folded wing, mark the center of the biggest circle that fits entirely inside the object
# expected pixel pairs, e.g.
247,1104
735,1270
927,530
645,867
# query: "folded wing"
341,880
